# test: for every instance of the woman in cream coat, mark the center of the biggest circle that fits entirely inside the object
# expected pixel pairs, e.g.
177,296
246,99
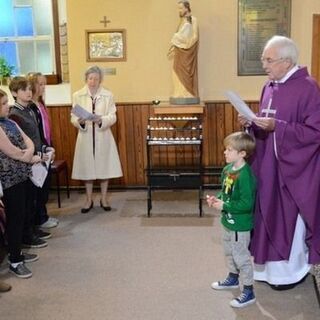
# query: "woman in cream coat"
96,155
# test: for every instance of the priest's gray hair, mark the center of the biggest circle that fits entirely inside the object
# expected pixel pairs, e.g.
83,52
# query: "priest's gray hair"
94,69
287,49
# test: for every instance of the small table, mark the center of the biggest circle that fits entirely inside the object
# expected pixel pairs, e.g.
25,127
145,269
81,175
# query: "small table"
57,167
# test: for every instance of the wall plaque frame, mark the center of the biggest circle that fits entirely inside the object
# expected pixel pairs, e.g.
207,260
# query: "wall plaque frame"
106,45
258,21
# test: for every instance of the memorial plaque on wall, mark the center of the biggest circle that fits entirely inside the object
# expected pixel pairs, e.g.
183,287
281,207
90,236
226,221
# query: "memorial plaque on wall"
258,21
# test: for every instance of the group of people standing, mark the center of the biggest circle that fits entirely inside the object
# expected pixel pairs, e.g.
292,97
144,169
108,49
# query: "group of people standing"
25,140
270,210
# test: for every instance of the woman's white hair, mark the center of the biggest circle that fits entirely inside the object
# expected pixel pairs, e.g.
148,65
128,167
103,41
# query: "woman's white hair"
93,69
287,49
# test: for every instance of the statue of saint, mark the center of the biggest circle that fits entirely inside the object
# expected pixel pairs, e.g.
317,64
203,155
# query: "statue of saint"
184,51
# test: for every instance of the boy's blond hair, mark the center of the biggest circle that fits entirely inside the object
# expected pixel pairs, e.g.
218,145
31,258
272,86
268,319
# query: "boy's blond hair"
240,141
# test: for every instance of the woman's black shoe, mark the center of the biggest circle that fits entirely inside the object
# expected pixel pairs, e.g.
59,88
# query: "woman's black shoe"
86,210
105,208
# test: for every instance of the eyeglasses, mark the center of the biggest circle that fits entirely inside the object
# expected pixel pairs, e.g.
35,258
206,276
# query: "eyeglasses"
270,60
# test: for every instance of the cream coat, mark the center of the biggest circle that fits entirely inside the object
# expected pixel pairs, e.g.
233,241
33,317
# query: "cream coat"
106,163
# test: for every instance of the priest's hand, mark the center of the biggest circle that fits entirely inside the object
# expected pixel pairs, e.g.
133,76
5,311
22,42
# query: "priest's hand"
267,124
244,121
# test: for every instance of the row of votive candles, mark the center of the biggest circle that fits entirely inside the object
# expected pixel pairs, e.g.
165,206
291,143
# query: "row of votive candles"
173,118
172,128
174,139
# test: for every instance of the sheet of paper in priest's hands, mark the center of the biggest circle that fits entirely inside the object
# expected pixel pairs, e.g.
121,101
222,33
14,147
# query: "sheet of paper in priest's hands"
82,113
240,105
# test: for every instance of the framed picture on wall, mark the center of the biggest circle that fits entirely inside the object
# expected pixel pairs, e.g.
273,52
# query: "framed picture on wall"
106,45
258,21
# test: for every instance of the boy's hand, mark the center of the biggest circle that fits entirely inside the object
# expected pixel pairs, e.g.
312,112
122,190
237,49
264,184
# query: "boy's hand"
211,200
218,204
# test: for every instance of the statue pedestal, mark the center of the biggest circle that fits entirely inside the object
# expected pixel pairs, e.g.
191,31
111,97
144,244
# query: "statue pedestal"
167,108
184,101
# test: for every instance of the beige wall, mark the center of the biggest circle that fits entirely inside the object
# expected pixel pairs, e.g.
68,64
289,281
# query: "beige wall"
146,75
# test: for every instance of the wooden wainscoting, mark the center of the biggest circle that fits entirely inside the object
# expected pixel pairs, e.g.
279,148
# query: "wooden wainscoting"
220,119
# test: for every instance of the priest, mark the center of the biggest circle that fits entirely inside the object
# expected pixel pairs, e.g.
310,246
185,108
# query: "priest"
286,238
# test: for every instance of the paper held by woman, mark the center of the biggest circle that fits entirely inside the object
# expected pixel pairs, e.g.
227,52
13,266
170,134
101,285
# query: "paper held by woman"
82,113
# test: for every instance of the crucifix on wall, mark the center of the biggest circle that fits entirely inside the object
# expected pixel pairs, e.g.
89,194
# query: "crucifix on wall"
105,21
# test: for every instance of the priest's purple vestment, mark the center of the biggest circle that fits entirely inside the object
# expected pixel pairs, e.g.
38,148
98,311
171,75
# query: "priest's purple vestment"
287,166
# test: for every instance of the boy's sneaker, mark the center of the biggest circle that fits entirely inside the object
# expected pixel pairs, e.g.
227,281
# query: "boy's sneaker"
21,271
245,299
228,283
50,223
42,234
29,257
35,242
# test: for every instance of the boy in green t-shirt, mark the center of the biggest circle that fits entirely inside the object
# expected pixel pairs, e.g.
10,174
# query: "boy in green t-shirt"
236,202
